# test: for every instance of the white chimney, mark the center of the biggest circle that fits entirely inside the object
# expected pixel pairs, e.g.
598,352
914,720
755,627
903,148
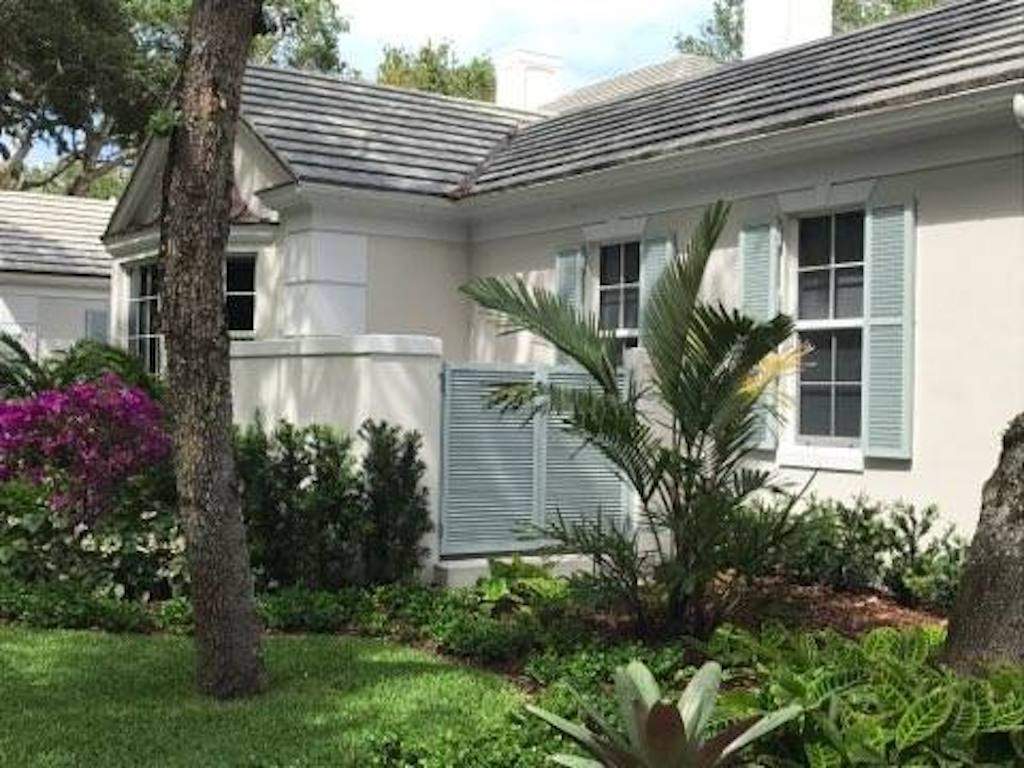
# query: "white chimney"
771,25
526,80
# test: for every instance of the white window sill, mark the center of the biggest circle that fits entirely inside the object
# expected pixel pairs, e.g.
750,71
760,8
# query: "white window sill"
824,457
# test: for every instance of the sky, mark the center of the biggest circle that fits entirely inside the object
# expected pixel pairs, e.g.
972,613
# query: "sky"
594,38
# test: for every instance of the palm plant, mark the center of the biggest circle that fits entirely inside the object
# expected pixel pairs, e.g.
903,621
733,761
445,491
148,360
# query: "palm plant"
659,733
684,435
86,360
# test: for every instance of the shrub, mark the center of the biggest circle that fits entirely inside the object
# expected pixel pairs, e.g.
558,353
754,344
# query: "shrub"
923,569
80,444
881,700
300,500
474,635
65,606
395,508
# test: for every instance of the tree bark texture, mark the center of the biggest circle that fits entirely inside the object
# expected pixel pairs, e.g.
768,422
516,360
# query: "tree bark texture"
987,624
194,231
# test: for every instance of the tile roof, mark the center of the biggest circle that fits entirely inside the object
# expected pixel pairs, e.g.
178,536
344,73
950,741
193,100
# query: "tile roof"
53,234
955,48
353,134
347,132
682,67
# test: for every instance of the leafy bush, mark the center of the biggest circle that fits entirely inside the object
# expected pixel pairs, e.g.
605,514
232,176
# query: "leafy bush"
474,635
318,522
517,586
82,443
872,545
65,606
394,501
301,505
880,700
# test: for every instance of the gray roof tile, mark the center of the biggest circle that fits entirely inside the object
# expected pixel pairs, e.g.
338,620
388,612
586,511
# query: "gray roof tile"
53,234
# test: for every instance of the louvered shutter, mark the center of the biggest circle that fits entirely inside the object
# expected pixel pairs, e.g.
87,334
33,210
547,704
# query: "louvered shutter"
569,267
889,332
489,465
579,482
655,256
759,256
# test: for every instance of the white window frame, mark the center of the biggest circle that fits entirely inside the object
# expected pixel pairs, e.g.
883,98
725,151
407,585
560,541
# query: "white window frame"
829,324
133,301
621,332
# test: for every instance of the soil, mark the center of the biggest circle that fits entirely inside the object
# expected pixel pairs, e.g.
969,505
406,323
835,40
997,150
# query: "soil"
817,607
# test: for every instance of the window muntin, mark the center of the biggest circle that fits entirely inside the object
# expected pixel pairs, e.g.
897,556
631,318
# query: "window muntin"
619,292
144,338
240,293
830,310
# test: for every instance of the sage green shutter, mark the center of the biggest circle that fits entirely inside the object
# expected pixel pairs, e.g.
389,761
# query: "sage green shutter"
569,269
489,464
759,255
579,482
655,255
889,331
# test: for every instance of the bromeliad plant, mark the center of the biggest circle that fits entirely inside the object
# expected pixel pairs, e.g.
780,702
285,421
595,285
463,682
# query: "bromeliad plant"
662,734
682,438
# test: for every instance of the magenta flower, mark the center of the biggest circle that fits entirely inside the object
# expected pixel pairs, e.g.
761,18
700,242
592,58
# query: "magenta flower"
82,443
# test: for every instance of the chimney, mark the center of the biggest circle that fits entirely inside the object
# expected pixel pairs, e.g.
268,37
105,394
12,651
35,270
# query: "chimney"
526,80
771,25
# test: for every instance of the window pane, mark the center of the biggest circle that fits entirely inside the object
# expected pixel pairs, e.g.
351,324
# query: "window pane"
850,237
240,313
814,288
609,309
154,315
850,292
815,410
847,411
848,355
133,318
631,263
631,308
154,355
815,241
135,276
241,274
817,364
610,266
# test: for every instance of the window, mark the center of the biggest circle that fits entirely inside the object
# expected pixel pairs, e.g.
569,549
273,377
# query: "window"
144,339
619,293
96,325
830,311
240,293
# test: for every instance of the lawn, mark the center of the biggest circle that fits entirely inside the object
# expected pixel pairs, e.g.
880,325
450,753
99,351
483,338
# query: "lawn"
92,699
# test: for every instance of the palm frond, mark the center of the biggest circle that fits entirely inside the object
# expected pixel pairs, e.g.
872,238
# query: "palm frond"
519,308
20,375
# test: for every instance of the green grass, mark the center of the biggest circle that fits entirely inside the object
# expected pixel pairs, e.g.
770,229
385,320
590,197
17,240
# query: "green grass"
91,699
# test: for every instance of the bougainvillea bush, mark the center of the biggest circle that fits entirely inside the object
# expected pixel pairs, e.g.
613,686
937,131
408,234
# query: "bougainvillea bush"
81,444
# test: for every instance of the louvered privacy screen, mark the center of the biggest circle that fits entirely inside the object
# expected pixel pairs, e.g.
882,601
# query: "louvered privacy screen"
501,474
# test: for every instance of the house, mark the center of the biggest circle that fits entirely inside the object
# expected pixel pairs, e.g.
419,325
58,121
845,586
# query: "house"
878,187
54,270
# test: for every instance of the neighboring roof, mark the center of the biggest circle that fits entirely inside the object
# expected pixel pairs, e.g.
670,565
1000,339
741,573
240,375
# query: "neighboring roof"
683,67
956,48
351,133
53,233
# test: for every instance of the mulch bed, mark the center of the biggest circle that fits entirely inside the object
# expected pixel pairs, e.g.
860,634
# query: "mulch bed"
817,607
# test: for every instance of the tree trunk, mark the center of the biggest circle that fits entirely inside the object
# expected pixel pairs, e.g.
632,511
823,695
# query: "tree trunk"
194,231
987,625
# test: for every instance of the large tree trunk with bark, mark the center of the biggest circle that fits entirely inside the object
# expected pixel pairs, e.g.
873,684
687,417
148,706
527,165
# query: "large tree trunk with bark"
987,625
194,231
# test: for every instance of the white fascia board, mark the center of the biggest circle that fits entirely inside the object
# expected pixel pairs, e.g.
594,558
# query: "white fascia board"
146,243
361,345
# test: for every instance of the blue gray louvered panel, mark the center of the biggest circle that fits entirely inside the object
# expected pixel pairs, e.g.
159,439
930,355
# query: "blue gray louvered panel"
888,254
886,377
756,258
489,465
580,482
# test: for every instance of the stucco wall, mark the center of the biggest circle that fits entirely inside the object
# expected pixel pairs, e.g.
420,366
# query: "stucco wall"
48,311
413,288
969,296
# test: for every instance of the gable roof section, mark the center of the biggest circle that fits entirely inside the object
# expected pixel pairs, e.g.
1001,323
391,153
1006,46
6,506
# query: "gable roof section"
55,234
955,48
683,67
326,129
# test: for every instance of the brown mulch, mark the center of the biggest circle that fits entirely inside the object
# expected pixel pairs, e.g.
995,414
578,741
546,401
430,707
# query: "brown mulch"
816,607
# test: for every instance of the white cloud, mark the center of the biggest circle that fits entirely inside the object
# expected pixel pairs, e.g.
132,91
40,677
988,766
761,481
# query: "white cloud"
595,38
